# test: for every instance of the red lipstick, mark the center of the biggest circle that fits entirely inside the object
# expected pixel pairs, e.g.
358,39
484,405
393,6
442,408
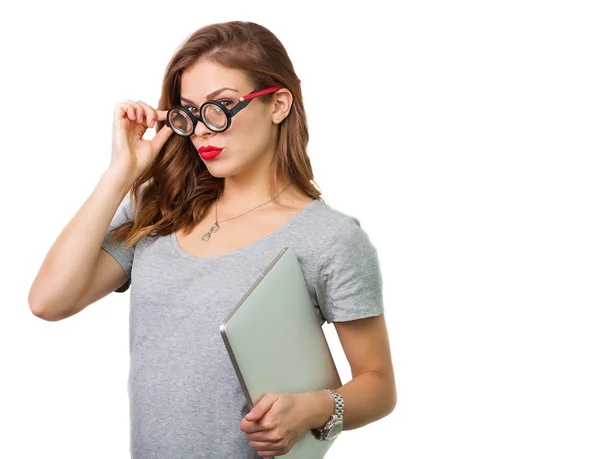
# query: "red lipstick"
209,152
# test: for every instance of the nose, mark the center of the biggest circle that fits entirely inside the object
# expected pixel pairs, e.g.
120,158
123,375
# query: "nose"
202,131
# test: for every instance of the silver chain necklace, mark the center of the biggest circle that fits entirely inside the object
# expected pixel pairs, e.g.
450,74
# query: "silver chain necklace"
216,226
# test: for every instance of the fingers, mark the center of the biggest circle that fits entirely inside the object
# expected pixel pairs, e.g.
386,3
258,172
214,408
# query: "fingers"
151,114
250,427
161,137
139,112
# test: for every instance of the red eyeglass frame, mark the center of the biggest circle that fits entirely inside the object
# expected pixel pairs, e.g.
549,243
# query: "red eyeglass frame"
243,101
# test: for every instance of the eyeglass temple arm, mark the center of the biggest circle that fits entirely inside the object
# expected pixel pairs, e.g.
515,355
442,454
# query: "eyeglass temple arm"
254,94
262,92
245,100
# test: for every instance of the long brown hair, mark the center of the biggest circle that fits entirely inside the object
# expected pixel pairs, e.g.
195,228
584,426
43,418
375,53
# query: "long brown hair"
176,189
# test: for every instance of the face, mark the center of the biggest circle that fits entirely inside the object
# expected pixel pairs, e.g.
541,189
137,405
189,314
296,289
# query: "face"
249,143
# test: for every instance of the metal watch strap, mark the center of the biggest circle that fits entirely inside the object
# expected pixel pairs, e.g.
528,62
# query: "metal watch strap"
339,412
339,402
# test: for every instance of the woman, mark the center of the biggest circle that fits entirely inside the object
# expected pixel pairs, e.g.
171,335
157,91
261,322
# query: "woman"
216,196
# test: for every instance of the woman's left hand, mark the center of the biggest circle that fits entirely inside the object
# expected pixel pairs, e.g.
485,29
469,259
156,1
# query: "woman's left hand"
275,423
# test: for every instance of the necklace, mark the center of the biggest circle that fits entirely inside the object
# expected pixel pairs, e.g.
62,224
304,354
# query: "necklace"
216,226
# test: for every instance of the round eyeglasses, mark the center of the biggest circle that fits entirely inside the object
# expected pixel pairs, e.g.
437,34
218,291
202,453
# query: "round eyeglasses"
215,115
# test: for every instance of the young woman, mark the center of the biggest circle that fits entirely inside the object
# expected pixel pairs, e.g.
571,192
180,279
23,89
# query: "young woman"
189,220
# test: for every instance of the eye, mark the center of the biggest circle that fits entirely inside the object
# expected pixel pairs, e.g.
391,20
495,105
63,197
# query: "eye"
195,110
226,102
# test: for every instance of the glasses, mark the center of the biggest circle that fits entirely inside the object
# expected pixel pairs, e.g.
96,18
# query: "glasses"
214,114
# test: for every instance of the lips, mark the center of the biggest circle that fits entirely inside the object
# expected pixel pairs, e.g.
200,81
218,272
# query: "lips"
209,152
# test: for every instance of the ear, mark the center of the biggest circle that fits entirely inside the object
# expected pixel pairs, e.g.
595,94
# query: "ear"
282,104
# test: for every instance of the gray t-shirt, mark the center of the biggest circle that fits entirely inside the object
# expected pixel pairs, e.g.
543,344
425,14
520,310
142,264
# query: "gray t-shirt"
185,399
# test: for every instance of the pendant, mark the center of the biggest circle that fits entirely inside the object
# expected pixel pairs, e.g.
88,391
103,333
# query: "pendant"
213,229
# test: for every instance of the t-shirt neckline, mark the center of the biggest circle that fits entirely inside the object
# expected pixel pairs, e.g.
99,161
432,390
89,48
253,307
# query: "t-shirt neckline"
180,251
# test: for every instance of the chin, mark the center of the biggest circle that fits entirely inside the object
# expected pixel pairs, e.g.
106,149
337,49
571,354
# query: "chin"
226,166
220,170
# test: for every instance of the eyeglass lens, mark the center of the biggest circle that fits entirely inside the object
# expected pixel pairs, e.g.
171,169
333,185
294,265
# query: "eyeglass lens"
181,122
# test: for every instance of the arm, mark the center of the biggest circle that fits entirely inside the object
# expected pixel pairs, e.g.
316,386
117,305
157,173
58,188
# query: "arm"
277,421
371,393
70,263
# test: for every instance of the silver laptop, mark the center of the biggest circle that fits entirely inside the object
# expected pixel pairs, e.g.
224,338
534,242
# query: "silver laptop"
276,343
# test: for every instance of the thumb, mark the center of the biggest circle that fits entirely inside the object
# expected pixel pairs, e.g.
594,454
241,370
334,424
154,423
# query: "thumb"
161,137
261,408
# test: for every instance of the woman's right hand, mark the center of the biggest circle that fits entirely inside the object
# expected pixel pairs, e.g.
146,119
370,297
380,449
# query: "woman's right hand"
131,154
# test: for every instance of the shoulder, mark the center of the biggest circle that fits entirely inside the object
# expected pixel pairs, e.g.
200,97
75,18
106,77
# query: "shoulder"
334,237
346,276
335,225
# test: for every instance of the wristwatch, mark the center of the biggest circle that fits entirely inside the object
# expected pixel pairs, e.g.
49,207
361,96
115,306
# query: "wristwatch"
334,426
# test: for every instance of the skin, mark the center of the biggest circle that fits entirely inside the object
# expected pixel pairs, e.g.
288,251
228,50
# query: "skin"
277,421
248,148
249,143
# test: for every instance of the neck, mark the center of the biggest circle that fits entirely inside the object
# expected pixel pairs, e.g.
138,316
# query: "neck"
242,192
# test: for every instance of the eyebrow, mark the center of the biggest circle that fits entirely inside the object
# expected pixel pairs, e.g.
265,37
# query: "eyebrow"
210,96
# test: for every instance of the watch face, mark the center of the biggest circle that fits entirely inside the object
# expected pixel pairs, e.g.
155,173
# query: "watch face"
335,429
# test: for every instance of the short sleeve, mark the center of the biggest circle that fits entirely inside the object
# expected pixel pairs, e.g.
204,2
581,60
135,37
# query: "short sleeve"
123,255
348,282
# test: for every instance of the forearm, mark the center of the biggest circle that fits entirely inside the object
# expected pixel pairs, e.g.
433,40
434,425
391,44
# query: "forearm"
367,398
71,259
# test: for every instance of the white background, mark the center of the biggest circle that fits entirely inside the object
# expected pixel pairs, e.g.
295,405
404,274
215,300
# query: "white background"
463,135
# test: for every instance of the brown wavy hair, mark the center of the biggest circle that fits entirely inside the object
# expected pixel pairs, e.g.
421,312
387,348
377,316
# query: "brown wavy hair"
176,189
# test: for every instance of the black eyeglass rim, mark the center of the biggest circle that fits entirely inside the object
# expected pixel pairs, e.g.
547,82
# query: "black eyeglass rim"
229,113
